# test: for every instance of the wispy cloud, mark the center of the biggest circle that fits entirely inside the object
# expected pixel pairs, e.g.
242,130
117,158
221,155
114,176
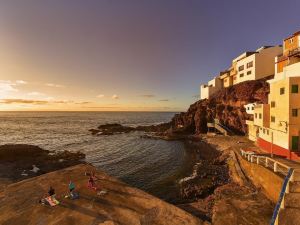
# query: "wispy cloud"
35,93
148,96
7,85
82,103
164,100
21,82
115,97
34,101
23,101
100,96
55,85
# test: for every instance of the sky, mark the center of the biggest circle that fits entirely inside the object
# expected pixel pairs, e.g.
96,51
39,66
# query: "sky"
127,55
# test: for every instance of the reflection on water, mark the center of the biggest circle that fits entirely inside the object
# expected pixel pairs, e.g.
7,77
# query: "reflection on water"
152,165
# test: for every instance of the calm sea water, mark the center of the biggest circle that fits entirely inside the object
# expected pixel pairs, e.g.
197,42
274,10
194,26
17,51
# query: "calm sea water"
152,165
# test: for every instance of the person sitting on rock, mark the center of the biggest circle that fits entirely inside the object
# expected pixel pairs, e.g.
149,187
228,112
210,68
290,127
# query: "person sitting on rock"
51,192
71,187
92,184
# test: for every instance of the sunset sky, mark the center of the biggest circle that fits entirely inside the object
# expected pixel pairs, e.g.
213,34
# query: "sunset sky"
127,55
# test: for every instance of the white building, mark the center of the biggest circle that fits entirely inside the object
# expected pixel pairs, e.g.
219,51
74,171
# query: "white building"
214,85
256,65
250,108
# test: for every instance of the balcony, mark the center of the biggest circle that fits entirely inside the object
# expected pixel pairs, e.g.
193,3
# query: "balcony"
294,52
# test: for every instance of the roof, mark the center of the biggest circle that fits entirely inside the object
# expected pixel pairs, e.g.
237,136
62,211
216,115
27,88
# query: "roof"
295,34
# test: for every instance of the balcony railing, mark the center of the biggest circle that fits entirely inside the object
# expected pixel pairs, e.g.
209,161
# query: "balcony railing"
294,52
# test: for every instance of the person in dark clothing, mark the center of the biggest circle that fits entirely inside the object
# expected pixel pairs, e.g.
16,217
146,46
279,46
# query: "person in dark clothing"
51,191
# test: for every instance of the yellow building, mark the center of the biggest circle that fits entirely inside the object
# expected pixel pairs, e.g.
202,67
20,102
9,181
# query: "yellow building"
276,125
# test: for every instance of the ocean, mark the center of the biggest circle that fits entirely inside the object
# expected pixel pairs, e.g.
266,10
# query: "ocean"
155,166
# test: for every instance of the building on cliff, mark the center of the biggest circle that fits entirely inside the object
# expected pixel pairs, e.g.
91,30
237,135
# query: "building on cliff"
247,66
212,87
276,125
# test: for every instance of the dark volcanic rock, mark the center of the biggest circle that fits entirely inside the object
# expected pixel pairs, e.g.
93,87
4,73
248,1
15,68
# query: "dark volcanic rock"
115,128
19,158
227,105
110,129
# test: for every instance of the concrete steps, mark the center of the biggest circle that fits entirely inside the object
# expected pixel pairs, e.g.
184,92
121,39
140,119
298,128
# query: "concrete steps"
296,176
289,216
292,200
294,187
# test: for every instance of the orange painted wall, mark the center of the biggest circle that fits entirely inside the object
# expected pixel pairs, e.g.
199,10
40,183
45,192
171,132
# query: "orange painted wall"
281,65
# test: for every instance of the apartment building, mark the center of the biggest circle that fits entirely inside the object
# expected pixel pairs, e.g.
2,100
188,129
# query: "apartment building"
214,85
276,125
251,66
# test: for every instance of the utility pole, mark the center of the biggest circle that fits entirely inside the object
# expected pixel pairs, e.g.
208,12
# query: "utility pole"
272,144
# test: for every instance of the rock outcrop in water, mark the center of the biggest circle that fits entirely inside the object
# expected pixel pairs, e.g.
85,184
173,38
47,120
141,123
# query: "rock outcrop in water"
16,161
227,105
115,128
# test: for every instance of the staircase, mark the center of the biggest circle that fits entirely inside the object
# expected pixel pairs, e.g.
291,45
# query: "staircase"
289,212
219,127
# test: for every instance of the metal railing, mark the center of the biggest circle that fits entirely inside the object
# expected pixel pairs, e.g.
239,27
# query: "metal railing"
267,162
280,202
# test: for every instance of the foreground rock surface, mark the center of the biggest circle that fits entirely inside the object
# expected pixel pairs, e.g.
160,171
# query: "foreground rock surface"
121,205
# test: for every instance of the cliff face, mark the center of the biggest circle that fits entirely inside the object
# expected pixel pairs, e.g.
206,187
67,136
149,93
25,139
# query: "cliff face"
227,105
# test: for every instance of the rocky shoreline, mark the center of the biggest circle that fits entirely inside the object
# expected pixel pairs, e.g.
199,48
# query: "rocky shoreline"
19,162
209,187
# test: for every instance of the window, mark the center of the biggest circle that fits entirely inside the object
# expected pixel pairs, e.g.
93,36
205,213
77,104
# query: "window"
255,115
272,104
291,40
241,75
260,116
250,64
267,132
295,88
281,91
252,107
264,130
249,72
294,112
241,68
273,119
295,142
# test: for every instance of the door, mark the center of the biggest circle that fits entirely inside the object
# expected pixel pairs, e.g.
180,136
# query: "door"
295,143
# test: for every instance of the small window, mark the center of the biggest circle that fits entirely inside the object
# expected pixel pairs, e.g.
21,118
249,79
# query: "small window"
272,104
241,68
249,72
255,115
250,64
252,107
294,112
281,91
241,75
291,40
260,116
267,132
295,88
273,119
264,130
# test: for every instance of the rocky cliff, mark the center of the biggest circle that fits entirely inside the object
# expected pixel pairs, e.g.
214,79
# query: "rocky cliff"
227,105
